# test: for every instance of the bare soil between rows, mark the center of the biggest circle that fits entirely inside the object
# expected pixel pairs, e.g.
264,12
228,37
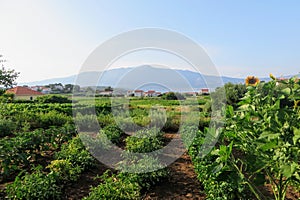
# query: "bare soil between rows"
182,182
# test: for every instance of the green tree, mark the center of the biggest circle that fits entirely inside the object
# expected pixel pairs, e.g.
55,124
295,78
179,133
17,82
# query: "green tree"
173,96
233,92
109,88
7,76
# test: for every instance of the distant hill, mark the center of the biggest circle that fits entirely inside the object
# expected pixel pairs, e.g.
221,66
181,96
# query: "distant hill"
144,77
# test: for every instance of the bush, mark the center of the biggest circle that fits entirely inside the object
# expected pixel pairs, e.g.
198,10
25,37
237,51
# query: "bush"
144,141
7,98
53,99
115,187
173,96
65,169
76,153
52,118
34,186
105,119
7,127
146,171
86,122
113,133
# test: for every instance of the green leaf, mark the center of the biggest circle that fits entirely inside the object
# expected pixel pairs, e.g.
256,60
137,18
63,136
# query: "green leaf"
296,135
269,135
289,169
230,110
286,91
270,145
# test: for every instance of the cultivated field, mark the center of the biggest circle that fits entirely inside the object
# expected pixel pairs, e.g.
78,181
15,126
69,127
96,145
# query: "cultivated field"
46,149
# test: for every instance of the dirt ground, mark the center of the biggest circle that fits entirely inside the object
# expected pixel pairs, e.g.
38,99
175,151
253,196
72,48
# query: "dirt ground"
182,182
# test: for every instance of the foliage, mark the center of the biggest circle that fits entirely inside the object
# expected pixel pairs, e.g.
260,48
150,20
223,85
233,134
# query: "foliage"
146,171
34,186
267,130
7,98
113,133
52,118
232,92
115,187
259,145
7,76
65,170
52,99
86,122
7,127
20,151
144,141
76,153
172,96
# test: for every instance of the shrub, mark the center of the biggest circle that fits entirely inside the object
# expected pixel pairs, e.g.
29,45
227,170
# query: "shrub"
105,119
173,96
113,133
115,187
7,127
87,122
146,171
53,99
65,169
52,118
34,186
144,141
76,153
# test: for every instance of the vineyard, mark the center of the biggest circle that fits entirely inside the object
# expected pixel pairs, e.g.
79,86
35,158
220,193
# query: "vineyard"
48,148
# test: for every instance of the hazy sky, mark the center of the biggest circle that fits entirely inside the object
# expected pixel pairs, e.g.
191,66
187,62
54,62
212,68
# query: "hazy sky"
46,39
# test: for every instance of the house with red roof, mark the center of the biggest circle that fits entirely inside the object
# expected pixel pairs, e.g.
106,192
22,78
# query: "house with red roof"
23,92
204,91
151,93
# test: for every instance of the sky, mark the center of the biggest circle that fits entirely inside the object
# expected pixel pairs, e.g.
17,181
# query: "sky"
47,39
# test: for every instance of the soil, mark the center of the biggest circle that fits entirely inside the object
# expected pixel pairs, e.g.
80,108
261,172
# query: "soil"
81,188
182,182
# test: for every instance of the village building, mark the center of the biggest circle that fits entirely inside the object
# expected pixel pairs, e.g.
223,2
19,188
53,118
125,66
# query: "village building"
23,93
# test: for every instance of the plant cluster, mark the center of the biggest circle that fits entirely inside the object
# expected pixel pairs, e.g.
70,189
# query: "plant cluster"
71,161
136,172
259,146
20,151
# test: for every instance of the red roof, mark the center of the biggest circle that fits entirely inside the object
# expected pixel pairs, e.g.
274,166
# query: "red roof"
151,91
23,91
138,91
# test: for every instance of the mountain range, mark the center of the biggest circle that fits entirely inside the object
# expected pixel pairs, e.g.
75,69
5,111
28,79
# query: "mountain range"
144,77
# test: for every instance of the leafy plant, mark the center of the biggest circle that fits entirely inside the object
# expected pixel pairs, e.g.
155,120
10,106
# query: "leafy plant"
86,122
7,127
146,171
65,170
115,187
34,186
53,99
144,141
113,133
75,153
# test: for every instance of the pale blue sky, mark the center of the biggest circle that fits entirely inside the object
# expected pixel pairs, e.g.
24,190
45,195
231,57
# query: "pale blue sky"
47,39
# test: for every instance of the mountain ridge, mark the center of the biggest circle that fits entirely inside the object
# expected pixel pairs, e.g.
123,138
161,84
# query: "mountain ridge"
130,77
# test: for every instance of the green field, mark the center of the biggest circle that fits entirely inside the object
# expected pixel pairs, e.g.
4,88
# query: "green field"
255,155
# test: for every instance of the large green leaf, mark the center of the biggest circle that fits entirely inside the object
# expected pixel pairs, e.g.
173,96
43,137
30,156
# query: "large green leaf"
286,91
296,135
289,169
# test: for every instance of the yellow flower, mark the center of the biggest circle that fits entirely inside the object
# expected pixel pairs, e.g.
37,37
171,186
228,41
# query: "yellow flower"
272,77
252,80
